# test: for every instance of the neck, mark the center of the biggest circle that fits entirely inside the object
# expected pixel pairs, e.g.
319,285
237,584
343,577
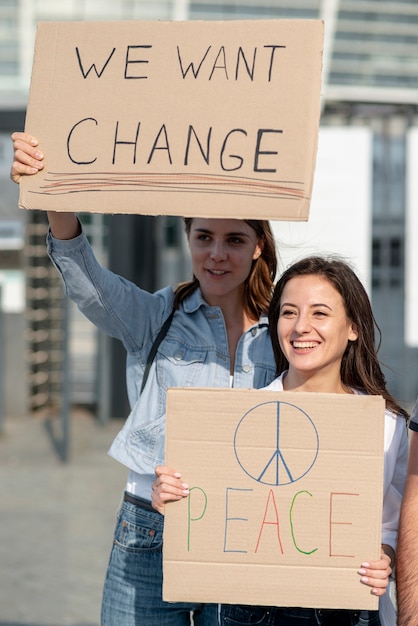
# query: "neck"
236,321
320,382
233,310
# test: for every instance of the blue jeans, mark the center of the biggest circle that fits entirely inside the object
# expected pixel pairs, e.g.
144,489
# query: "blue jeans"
132,593
233,615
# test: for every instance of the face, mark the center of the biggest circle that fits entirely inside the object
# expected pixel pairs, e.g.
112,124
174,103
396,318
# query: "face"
313,327
222,252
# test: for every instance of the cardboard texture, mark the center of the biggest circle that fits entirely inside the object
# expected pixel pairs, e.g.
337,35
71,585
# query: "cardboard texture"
285,501
209,119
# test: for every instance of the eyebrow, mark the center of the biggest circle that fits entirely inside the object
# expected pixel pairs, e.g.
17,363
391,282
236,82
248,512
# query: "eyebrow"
207,231
312,305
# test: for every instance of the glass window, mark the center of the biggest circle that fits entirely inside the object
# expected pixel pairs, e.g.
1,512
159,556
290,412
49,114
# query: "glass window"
395,252
376,253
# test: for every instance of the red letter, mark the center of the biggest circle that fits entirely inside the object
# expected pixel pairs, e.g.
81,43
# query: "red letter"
273,523
332,523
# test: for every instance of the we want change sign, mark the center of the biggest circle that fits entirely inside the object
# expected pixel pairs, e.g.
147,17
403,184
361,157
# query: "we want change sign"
210,119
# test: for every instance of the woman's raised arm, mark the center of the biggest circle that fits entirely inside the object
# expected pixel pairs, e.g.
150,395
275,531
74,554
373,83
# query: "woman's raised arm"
27,161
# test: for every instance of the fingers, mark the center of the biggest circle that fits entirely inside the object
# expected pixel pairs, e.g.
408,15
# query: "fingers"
168,484
168,487
160,498
375,574
163,469
28,159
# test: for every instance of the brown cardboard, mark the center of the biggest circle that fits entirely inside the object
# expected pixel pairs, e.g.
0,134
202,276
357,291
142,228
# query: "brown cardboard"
248,534
212,119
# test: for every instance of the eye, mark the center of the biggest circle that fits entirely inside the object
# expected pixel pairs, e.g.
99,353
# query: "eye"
285,312
320,314
236,240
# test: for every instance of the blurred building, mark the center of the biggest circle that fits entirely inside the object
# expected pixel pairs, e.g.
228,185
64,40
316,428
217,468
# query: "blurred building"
364,206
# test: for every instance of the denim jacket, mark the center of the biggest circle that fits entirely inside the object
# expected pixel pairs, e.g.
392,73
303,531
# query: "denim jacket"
194,352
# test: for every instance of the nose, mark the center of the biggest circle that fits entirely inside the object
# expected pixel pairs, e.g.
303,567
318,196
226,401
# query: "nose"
302,323
218,252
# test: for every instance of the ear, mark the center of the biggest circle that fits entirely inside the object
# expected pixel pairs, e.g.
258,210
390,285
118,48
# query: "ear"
258,249
353,332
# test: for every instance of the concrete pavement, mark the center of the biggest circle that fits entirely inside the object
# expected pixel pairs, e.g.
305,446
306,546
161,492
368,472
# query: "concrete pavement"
56,520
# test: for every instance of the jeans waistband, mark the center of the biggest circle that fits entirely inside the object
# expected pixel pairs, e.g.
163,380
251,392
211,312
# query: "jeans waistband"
137,501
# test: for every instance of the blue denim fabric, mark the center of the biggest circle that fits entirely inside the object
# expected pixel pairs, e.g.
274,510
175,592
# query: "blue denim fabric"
133,587
233,615
193,354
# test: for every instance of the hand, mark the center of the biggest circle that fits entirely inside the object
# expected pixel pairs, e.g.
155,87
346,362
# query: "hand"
376,574
28,159
168,487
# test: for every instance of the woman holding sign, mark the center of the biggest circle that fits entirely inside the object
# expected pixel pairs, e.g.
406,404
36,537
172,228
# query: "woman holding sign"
322,329
218,334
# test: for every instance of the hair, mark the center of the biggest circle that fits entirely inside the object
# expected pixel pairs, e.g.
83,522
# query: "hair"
360,367
259,282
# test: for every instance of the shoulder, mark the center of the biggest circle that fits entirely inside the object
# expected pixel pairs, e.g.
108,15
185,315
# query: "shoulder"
396,433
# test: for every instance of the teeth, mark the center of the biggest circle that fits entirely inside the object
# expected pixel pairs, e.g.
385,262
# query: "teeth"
217,272
304,344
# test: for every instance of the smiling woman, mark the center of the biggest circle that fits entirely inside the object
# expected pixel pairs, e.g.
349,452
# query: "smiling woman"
222,257
322,331
313,331
252,241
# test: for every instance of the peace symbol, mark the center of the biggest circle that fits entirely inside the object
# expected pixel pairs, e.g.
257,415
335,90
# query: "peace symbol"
276,443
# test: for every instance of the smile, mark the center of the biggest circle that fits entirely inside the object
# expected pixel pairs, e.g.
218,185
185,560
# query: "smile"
217,272
304,345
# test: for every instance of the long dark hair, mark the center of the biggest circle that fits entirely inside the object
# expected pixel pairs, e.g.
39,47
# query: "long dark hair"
360,367
259,282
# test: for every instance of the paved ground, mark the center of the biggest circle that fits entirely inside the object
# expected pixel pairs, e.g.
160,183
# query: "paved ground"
56,520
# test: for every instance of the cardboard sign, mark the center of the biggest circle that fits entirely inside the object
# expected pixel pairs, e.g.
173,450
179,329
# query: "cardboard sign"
209,119
286,493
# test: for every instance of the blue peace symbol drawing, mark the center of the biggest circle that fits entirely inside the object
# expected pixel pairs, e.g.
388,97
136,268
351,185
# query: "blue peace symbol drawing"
276,443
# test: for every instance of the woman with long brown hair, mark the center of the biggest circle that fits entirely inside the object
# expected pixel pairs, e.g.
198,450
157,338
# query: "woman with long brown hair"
218,337
323,334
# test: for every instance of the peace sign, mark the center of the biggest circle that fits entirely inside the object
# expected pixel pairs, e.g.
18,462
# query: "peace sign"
286,440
